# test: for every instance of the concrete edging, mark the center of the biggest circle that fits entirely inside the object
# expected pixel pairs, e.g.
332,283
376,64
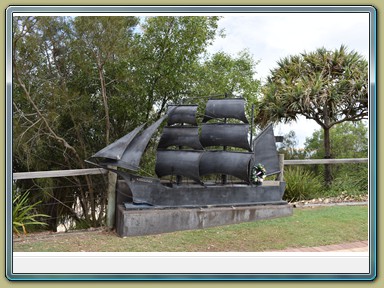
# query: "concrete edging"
155,221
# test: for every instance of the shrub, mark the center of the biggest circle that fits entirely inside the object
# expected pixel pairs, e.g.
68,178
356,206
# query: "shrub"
349,184
301,184
24,214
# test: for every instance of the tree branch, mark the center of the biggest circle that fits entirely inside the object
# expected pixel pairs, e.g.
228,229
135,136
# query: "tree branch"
51,131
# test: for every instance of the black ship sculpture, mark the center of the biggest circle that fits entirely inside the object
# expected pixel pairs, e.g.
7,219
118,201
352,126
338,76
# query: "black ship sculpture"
185,157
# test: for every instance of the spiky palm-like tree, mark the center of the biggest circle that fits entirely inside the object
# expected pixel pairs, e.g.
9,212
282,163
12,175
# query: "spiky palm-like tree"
329,87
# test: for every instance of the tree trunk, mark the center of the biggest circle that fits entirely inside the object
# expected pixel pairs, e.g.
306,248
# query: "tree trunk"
327,155
112,177
105,102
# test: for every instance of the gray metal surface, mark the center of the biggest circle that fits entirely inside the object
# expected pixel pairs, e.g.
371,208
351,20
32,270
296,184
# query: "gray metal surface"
127,152
116,149
234,135
180,136
226,162
182,114
178,162
143,189
233,108
156,194
264,147
135,149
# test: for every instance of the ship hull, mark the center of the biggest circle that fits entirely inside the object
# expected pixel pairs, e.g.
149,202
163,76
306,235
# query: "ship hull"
146,194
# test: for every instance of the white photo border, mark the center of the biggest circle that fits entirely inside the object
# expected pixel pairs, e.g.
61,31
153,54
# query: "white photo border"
16,270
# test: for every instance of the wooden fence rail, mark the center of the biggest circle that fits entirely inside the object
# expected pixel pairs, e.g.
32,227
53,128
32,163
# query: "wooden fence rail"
111,197
95,171
283,162
325,161
58,173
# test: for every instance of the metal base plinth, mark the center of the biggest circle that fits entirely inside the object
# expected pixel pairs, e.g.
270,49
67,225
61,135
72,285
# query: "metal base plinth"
156,220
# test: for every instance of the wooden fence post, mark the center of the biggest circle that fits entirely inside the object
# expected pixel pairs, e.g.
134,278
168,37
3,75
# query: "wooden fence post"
281,167
111,194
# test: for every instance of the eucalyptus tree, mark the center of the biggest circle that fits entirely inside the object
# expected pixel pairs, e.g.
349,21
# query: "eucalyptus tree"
222,74
80,83
167,48
102,43
329,87
40,71
63,69
83,82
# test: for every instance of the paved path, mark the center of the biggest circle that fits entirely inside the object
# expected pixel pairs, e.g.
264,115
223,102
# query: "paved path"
361,246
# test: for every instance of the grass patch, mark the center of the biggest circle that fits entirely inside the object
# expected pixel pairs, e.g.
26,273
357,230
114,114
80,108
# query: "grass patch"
307,227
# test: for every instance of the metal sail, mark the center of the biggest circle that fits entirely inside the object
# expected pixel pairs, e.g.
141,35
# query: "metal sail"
115,150
178,162
132,154
234,135
182,114
180,136
225,108
265,151
228,163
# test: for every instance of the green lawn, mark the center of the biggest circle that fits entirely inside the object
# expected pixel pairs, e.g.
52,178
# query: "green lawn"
307,227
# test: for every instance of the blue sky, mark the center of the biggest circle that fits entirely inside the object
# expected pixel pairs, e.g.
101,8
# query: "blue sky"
272,36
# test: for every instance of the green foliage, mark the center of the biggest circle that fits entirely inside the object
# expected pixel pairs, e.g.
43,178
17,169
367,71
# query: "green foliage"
355,134
80,83
301,184
351,179
222,73
348,140
23,213
329,87
164,55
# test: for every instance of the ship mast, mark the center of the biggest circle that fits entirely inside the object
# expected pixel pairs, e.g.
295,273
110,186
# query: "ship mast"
251,136
179,178
224,178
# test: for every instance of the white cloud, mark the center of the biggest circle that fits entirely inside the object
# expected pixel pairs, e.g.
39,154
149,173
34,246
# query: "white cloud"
272,36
